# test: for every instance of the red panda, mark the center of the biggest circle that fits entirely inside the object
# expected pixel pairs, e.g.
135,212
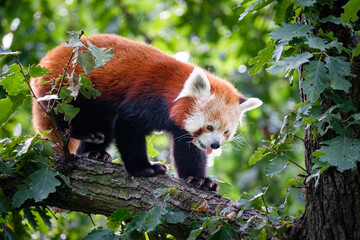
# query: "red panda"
142,90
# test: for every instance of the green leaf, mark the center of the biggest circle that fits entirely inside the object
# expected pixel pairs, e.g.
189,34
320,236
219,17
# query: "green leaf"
100,234
338,68
151,151
68,110
282,10
153,219
44,182
306,3
263,57
341,152
44,217
115,220
6,169
289,63
317,43
4,204
4,52
9,105
356,51
14,81
87,88
85,59
31,218
276,165
257,156
38,71
24,147
138,222
75,42
100,55
254,7
38,186
174,216
350,11
290,30
223,232
316,80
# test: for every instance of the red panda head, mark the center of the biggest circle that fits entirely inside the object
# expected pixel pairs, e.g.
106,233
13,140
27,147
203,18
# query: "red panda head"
216,110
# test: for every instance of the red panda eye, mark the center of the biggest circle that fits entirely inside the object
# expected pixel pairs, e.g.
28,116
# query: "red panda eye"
210,128
226,132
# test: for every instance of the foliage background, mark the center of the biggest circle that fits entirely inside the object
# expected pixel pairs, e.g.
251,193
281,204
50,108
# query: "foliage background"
216,40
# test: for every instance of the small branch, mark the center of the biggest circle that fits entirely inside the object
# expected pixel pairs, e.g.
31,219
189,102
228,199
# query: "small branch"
50,114
303,140
297,165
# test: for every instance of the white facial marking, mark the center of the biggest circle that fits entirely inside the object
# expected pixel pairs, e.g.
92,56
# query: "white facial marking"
212,111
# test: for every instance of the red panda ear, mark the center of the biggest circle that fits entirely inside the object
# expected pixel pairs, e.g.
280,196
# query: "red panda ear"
247,104
196,85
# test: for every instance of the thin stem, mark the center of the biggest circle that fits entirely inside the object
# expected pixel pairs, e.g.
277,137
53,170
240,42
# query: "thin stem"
299,138
297,165
92,220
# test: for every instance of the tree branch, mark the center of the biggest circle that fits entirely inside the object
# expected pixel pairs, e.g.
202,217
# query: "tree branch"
109,187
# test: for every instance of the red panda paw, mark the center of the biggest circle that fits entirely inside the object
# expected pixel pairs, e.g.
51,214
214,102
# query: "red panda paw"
100,155
203,183
153,170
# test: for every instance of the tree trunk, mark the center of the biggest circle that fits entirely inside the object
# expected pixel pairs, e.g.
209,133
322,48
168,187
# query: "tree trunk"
332,208
101,188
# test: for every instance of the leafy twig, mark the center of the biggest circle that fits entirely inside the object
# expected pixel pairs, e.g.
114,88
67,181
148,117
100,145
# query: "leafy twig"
50,114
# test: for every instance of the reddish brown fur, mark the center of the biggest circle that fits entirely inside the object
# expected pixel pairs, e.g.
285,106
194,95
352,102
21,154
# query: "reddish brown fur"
134,68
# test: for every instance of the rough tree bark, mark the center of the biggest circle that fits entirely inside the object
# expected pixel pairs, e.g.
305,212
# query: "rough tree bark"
333,207
109,188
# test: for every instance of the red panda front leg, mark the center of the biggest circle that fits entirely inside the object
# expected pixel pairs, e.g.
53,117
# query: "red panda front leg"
131,143
190,161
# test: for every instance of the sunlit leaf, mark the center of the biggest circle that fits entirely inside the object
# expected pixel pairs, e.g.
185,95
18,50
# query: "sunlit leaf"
351,9
38,71
31,218
9,105
263,57
14,81
282,11
117,218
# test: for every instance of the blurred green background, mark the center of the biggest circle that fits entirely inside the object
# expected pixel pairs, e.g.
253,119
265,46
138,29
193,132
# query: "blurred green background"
215,39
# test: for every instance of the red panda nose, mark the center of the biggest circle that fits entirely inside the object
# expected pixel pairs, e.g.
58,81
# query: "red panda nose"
215,145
